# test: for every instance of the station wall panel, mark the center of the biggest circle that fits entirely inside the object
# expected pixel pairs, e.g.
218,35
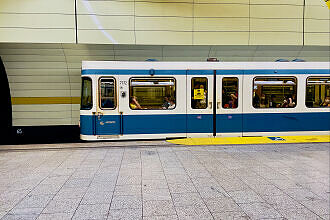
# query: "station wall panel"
29,35
221,38
317,24
276,11
221,24
169,24
163,9
164,37
276,25
87,22
106,36
43,21
277,2
275,38
317,39
155,22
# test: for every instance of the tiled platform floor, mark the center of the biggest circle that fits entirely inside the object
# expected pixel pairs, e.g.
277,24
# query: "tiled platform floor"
286,181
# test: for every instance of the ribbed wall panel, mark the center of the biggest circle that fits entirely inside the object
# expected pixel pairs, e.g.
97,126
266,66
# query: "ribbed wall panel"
50,73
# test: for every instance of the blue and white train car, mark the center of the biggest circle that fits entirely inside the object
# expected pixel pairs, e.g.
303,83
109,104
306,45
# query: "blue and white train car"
158,100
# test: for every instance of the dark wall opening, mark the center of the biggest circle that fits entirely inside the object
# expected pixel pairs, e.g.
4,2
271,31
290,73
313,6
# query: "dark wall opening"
45,134
5,106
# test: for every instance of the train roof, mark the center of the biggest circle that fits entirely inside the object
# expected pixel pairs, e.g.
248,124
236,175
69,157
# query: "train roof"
130,65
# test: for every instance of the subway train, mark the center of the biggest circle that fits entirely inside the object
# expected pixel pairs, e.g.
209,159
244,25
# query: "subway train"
158,100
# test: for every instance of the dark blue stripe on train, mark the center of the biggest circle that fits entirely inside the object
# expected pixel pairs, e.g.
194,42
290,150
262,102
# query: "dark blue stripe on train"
202,123
277,122
154,124
202,72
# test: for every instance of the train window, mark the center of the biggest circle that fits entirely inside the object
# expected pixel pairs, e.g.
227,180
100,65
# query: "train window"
199,92
229,92
152,93
107,91
274,92
318,92
86,94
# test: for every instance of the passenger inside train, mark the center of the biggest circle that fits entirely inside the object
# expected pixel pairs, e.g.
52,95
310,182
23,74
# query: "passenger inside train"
199,93
230,92
326,102
133,103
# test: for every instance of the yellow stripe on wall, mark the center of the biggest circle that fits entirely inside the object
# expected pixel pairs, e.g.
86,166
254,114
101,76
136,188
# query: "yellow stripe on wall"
44,100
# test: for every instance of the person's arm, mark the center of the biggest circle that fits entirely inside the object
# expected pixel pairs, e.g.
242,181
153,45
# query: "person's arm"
138,106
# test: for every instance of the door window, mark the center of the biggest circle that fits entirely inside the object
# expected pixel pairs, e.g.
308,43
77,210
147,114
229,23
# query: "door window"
199,93
107,93
229,92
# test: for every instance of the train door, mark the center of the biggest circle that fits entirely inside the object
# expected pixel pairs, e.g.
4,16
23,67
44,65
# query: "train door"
107,117
200,104
229,107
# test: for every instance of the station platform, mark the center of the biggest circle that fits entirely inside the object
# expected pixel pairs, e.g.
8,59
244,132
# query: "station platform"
251,140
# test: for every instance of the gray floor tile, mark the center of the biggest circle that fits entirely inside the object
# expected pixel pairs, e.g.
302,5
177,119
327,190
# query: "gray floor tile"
45,189
34,201
193,212
247,196
176,178
95,197
265,190
156,194
302,213
320,207
230,215
161,217
62,206
96,211
19,217
163,207
282,202
301,194
71,193
259,210
128,180
127,214
184,187
212,192
57,216
26,211
126,202
128,190
154,184
102,186
78,182
222,205
232,184
187,199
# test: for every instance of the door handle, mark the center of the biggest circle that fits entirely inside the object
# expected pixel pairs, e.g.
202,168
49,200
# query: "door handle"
218,105
99,115
210,105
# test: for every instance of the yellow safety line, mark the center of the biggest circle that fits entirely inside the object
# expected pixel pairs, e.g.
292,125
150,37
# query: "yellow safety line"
251,140
44,100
